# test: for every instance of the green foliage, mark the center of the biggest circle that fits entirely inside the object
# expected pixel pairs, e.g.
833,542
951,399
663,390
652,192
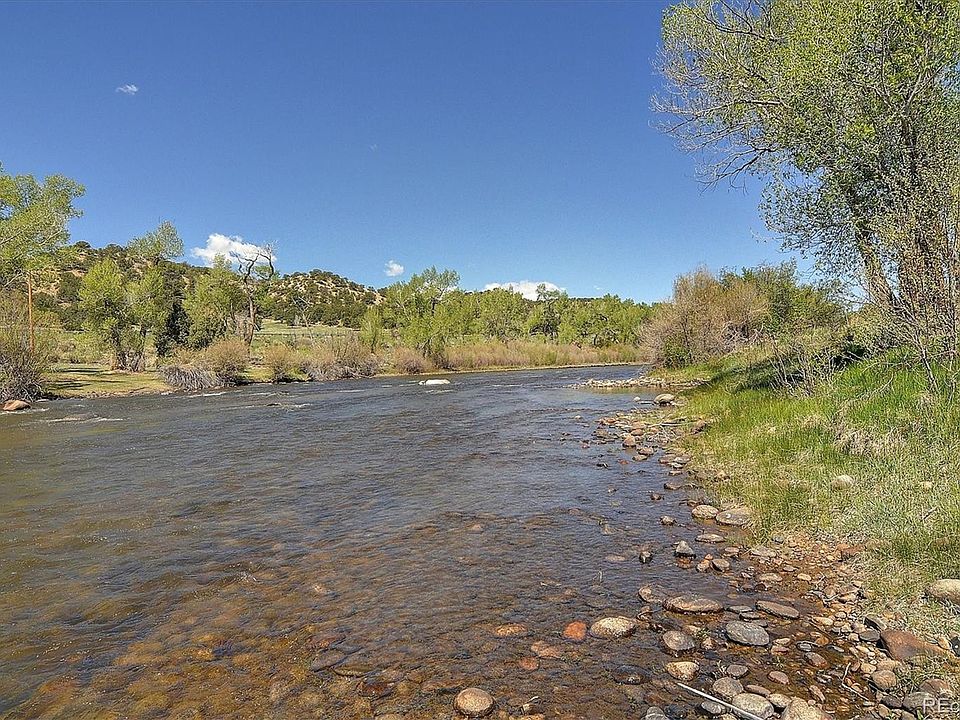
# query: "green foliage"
503,314
164,243
33,221
213,305
106,310
417,310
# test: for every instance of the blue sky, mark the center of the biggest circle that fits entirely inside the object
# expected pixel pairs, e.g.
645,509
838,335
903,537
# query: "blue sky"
509,141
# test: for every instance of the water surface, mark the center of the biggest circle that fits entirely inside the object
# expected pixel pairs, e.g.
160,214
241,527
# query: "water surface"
189,556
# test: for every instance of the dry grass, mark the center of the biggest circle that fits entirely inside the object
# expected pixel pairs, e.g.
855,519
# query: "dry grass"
530,353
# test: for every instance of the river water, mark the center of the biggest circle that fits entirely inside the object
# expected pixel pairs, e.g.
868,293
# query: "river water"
190,556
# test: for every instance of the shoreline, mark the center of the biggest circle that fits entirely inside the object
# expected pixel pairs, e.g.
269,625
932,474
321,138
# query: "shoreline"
878,660
150,383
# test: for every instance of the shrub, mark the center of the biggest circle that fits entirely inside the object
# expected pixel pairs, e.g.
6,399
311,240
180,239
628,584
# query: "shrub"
282,361
21,369
227,358
190,377
341,357
409,361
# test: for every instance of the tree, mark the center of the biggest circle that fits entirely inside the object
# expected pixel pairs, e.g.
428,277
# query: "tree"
414,308
164,243
33,227
502,313
106,311
851,111
214,304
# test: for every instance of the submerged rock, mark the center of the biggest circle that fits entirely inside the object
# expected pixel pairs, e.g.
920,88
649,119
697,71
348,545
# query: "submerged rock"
611,628
683,670
746,633
677,642
754,704
474,702
14,405
778,609
799,709
692,604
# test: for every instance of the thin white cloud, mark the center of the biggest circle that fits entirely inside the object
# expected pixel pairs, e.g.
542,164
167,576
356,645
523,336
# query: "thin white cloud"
231,247
128,89
527,288
393,269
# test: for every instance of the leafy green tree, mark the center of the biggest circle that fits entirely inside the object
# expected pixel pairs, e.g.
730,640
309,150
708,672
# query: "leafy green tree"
107,315
502,313
546,315
214,304
415,309
851,111
164,243
158,294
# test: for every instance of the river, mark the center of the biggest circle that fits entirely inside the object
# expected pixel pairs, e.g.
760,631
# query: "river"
190,556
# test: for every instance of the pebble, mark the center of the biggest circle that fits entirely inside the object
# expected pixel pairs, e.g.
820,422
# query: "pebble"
610,628
726,688
778,609
575,631
474,702
755,704
746,633
692,604
683,550
511,630
683,670
677,641
779,677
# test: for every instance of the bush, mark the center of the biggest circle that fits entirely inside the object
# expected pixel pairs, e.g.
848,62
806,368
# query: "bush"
410,362
340,358
21,369
282,361
227,358
190,377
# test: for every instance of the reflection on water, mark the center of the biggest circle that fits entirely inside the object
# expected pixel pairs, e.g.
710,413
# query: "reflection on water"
194,556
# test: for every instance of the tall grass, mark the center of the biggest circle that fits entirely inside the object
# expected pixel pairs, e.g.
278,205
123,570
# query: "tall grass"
530,353
874,421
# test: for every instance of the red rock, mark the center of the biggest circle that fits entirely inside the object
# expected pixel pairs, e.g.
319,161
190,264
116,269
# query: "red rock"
901,645
528,663
575,631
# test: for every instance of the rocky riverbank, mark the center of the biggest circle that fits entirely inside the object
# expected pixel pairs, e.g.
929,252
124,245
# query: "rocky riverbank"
799,638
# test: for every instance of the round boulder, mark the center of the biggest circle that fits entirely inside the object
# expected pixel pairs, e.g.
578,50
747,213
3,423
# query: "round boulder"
754,704
474,702
737,517
612,628
947,590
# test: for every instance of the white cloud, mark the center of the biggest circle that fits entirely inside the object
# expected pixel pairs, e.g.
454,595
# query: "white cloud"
128,89
392,269
231,247
527,288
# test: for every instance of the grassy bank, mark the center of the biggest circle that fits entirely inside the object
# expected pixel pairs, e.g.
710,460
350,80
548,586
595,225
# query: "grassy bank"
783,453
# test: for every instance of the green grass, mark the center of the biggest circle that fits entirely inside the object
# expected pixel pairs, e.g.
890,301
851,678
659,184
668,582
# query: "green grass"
874,421
70,381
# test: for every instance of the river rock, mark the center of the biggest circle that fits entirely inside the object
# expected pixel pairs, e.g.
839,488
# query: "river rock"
14,405
901,645
683,670
611,628
704,512
543,649
677,642
575,631
799,709
779,677
885,680
737,517
746,633
692,604
778,610
919,701
683,550
664,398
629,441
474,702
726,688
327,659
736,670
947,589
720,564
756,704
655,713
651,594
668,520
511,630
710,537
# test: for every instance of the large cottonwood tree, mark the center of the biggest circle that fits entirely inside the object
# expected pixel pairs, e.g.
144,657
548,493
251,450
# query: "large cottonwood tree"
850,110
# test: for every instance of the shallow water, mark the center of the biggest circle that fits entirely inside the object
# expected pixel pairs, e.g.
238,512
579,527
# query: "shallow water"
189,556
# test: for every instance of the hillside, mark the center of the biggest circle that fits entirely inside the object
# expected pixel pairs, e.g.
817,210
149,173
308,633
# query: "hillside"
317,296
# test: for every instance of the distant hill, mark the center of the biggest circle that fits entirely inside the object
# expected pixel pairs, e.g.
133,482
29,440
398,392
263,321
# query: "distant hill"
300,298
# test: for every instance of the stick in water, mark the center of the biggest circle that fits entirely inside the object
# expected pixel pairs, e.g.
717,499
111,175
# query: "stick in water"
720,702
